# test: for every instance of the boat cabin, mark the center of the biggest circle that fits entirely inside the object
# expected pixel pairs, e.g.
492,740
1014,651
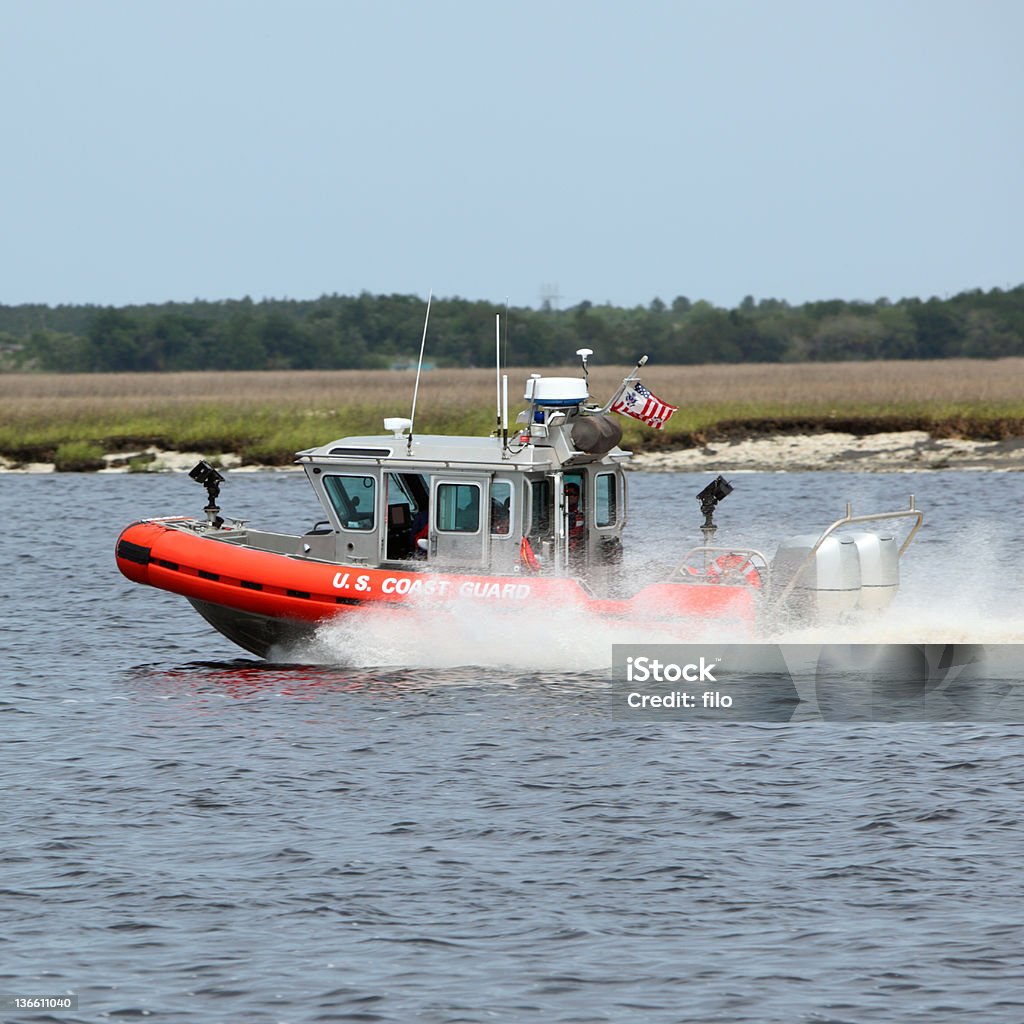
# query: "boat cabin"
549,498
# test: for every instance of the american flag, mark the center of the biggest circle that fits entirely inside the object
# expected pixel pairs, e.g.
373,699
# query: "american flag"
639,403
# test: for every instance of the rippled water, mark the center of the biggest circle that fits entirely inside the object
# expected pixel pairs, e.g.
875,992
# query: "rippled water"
195,835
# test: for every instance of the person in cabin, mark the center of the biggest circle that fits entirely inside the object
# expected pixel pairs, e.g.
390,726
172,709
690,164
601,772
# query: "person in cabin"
499,517
576,523
420,540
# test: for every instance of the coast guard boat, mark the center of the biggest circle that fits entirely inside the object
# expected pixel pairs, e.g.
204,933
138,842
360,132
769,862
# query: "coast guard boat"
535,514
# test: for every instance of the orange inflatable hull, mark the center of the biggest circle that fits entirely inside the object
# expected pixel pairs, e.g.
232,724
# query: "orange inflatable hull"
258,598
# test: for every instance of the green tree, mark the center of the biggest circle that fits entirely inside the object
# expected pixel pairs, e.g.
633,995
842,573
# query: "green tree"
113,341
899,334
987,337
237,345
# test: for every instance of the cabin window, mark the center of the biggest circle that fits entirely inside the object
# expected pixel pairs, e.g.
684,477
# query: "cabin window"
369,453
541,500
353,499
574,484
458,508
408,489
606,510
501,506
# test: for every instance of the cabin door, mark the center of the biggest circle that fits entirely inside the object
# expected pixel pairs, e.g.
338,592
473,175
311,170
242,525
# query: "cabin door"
405,497
459,531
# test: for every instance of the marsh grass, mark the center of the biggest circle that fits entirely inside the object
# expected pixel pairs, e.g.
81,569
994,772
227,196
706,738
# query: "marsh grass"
77,457
267,416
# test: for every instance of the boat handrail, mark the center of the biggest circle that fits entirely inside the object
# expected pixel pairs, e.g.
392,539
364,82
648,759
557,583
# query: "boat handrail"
428,464
847,520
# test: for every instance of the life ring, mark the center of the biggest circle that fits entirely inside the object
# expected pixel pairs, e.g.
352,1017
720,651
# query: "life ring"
729,568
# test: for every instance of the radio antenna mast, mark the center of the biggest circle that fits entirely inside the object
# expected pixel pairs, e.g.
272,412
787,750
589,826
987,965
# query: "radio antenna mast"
419,366
497,373
507,311
626,381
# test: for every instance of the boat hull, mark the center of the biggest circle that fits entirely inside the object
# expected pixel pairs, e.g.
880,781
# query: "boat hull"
262,600
266,636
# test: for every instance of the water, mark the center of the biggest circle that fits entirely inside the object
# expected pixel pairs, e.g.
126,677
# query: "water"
194,835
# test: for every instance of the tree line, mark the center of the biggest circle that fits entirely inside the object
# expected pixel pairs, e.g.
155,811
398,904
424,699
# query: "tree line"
376,331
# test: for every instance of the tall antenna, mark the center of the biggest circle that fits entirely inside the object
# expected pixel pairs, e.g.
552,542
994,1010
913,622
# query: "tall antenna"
497,373
419,366
504,413
507,310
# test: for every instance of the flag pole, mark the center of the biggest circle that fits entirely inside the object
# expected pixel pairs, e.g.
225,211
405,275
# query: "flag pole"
625,381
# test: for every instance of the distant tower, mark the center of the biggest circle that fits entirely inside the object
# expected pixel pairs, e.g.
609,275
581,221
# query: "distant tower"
549,296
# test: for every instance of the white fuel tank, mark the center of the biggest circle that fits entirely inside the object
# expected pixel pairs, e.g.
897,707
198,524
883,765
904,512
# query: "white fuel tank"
831,581
879,558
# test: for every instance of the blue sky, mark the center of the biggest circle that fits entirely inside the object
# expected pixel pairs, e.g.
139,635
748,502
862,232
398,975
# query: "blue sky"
615,152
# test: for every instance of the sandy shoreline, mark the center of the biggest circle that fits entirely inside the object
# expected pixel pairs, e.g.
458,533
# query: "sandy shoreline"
905,451
901,452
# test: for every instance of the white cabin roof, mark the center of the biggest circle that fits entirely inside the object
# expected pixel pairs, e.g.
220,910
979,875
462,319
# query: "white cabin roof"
444,449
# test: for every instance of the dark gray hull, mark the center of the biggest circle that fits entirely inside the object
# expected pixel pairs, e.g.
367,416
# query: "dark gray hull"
258,634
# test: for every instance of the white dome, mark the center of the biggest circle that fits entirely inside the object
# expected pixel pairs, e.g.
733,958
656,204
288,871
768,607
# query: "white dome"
556,390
